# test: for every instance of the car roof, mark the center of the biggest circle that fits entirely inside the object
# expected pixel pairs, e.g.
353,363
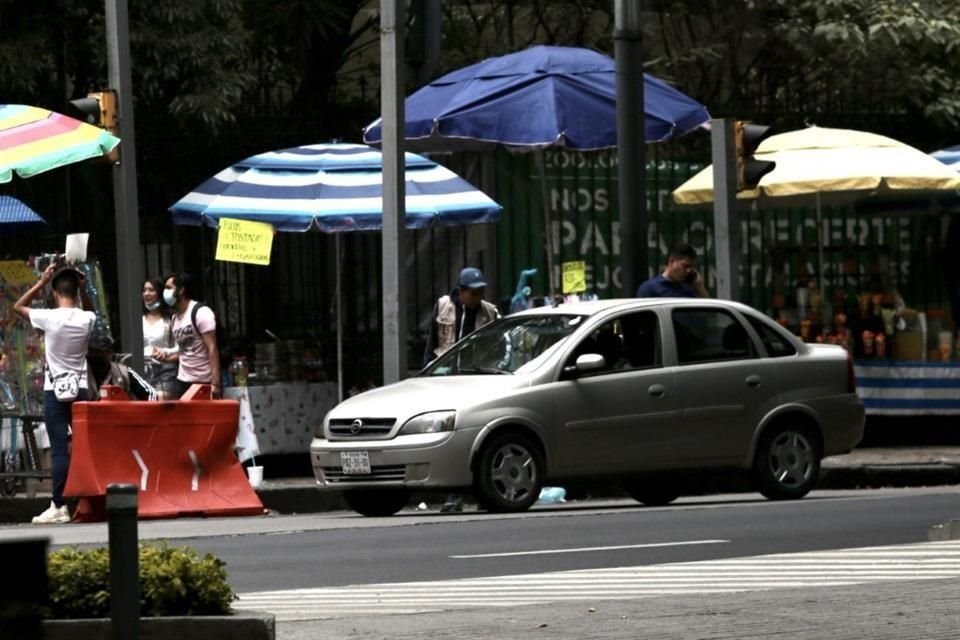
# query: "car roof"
594,307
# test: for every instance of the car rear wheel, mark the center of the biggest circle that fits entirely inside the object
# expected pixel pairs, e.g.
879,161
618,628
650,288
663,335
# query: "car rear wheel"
509,474
377,502
787,464
648,493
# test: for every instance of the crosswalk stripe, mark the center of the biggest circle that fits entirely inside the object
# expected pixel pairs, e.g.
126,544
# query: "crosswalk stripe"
918,561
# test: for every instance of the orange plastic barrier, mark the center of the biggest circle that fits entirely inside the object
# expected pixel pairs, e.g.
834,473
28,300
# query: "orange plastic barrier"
179,453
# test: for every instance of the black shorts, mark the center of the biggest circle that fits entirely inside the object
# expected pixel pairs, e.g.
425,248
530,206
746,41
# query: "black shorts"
177,388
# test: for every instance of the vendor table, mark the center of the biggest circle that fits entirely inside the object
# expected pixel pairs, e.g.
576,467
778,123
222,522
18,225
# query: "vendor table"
282,417
908,388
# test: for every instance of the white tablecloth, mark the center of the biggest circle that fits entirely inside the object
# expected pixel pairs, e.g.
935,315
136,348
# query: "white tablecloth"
909,388
282,417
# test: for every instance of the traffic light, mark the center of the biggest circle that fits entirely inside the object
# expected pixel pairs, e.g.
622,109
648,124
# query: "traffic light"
749,170
100,110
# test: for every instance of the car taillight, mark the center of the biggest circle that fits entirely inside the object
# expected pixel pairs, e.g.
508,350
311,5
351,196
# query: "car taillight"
851,376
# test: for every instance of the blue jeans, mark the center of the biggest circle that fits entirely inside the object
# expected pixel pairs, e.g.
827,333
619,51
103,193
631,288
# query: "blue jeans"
56,417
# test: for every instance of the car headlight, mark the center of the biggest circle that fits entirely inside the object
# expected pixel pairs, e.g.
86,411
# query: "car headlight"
432,422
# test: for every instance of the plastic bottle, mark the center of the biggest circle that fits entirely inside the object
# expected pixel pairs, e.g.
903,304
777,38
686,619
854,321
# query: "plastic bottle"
239,370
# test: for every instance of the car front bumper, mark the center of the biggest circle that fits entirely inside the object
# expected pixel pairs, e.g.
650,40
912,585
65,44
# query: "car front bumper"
440,460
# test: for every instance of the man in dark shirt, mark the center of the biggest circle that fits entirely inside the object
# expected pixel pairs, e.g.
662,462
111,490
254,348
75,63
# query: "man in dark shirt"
679,278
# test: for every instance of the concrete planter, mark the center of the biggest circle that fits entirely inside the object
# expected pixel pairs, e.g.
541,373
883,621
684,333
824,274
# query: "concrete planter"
249,625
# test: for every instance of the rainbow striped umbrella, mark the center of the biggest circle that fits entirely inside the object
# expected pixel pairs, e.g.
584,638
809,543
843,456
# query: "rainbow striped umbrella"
34,140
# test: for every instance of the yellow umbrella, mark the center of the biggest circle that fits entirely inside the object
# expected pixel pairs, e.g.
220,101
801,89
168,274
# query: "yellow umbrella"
833,166
817,166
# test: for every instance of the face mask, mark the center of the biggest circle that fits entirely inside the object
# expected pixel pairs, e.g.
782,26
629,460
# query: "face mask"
170,296
152,306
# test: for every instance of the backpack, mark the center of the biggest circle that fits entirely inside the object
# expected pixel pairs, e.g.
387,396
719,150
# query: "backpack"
221,335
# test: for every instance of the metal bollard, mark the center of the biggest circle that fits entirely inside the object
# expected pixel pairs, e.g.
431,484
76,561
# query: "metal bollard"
124,562
23,593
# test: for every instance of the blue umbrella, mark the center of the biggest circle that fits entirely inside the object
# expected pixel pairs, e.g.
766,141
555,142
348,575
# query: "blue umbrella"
537,98
949,156
15,214
541,97
333,188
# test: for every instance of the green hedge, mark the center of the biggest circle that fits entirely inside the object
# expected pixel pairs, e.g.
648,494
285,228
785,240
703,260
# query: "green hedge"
174,581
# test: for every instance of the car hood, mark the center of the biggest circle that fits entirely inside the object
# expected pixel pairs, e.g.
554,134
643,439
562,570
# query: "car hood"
413,396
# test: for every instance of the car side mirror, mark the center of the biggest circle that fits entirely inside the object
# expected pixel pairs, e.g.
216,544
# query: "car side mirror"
590,362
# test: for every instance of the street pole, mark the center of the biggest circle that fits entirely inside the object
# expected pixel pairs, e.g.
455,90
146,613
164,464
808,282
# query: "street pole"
126,207
124,561
726,225
631,127
394,204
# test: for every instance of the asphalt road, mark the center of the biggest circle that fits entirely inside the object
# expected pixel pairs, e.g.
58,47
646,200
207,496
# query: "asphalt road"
344,549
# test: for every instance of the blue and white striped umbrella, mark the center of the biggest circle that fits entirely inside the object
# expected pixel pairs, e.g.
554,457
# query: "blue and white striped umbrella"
333,188
14,214
949,156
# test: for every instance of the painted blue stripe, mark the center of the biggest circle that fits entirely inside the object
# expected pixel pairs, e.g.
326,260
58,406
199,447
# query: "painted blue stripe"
921,403
906,364
322,191
368,222
909,383
328,158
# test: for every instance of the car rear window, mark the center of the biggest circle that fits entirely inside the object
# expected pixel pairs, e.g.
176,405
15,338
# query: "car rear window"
705,335
776,343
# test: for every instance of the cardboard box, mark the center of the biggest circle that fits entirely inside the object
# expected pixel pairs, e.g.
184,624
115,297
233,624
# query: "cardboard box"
910,345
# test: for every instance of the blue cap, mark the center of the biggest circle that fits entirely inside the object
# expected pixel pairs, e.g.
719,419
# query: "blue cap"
471,278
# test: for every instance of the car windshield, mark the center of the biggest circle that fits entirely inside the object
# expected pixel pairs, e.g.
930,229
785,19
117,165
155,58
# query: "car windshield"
502,347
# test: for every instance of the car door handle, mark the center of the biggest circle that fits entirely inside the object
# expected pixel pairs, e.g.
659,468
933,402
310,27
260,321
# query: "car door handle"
754,382
657,390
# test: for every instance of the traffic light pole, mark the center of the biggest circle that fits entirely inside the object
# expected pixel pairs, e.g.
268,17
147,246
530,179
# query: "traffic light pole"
126,207
726,224
392,15
631,140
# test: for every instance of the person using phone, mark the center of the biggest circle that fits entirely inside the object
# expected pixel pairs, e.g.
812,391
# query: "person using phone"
679,279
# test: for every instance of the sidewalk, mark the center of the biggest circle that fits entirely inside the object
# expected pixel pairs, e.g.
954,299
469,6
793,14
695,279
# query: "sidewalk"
862,468
891,611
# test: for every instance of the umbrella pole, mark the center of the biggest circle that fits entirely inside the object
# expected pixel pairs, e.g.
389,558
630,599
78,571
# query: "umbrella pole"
548,236
820,246
339,298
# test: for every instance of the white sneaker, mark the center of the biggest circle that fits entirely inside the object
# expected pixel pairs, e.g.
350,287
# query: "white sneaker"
53,515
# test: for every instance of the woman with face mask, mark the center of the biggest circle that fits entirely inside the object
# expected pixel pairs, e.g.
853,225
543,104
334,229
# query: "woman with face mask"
159,349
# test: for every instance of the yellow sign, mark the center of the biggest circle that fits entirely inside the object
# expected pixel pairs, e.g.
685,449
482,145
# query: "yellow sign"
17,272
244,241
574,276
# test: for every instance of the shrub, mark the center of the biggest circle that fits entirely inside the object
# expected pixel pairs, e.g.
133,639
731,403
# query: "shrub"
174,581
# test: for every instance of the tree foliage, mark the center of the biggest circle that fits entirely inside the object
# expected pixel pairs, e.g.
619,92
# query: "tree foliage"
815,59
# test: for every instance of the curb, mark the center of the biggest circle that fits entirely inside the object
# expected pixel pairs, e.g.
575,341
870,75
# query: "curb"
252,625
303,497
889,475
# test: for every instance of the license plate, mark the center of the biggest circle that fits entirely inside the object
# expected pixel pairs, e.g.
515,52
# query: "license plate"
355,463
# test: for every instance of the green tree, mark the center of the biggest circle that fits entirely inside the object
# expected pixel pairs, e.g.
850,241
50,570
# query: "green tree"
822,58
826,61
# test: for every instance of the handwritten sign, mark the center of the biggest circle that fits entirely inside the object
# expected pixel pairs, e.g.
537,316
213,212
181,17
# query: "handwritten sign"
17,272
574,276
244,241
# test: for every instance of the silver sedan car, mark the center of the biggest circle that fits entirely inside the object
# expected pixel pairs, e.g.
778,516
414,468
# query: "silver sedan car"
630,390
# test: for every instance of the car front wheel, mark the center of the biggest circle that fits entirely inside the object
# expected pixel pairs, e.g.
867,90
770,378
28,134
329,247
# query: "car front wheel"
377,502
787,464
509,474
